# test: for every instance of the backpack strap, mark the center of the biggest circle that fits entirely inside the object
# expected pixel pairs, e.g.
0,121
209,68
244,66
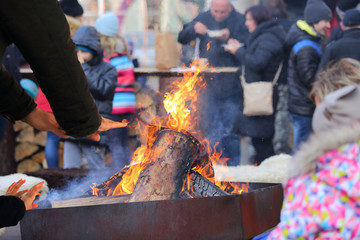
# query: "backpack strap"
307,42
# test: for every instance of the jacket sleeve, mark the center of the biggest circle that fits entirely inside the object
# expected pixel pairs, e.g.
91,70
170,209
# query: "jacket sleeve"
187,34
307,61
101,83
12,210
41,32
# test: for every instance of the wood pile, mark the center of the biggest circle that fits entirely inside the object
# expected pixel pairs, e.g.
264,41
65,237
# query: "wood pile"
29,148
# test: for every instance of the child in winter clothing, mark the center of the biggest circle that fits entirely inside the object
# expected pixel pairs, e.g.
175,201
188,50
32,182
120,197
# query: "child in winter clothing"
101,77
124,103
322,197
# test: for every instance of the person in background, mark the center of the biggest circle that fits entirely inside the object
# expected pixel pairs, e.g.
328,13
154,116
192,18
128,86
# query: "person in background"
281,143
348,45
74,14
261,57
304,43
322,195
213,29
124,102
102,81
14,203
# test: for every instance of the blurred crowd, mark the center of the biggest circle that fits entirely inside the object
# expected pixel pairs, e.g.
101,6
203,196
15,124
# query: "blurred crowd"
315,91
256,41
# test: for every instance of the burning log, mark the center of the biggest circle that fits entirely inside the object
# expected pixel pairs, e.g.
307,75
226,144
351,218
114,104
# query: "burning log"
202,187
172,156
107,187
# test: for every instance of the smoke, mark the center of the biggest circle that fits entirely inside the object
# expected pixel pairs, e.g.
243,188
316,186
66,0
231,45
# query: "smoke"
75,188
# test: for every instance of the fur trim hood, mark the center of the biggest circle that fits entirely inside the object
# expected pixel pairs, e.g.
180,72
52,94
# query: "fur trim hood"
305,159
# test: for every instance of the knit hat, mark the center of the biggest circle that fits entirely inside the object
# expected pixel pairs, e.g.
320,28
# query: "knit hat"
351,18
315,11
30,87
86,49
340,107
71,8
108,24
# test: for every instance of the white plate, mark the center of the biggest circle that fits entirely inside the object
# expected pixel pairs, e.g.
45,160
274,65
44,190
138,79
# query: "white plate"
214,33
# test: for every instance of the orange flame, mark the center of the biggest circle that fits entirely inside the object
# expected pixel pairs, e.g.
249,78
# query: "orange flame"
180,104
208,46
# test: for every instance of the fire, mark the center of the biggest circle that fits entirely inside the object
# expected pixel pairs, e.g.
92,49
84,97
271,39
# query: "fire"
181,105
208,46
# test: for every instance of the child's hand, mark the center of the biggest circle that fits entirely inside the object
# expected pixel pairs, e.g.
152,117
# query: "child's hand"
80,57
14,188
30,196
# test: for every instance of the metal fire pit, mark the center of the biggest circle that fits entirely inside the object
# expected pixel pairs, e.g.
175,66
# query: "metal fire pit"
230,217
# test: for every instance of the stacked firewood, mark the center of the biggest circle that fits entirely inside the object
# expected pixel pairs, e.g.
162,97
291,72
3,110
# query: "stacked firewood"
29,148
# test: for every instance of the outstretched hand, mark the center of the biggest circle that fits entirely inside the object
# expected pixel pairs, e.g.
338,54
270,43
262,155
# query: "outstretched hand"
107,124
30,195
14,188
45,121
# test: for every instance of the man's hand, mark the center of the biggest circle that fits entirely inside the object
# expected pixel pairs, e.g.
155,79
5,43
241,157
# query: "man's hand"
44,121
225,34
200,28
107,124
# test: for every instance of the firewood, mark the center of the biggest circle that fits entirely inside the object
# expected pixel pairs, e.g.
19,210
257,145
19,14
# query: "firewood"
40,138
108,186
88,201
24,150
28,165
172,155
26,135
39,157
19,125
202,187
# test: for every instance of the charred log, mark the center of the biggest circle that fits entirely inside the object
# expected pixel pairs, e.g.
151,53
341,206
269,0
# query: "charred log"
172,155
107,187
202,187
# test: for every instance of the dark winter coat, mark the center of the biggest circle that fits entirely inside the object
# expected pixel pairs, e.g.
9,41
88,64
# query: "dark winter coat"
12,210
40,31
261,57
102,76
286,24
216,54
347,46
220,86
302,69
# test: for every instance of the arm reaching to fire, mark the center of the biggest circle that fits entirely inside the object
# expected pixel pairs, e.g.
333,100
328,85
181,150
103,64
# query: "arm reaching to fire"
14,203
45,121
